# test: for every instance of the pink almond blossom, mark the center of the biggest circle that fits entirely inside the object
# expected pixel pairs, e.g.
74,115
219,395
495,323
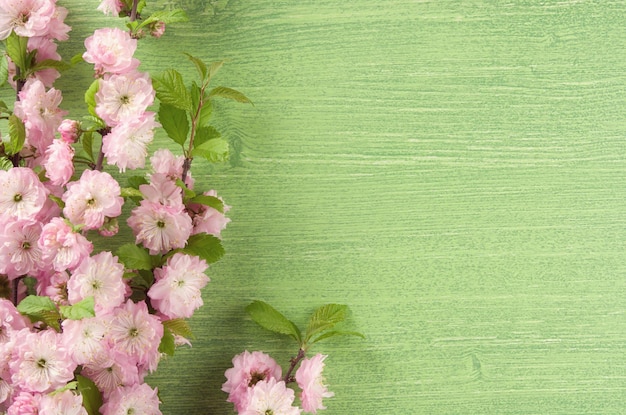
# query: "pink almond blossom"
310,380
110,7
176,291
124,98
19,252
84,339
111,370
207,219
58,162
66,403
27,18
271,397
69,130
25,403
22,195
160,228
62,246
92,198
135,399
126,146
111,50
164,162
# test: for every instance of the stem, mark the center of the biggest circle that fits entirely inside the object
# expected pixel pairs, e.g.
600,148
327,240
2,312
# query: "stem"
133,11
194,126
14,290
294,363
100,160
19,84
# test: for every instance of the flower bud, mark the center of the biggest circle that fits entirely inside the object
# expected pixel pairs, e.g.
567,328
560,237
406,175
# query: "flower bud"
69,130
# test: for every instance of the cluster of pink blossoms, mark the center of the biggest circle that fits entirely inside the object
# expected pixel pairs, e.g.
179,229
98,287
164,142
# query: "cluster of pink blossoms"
255,387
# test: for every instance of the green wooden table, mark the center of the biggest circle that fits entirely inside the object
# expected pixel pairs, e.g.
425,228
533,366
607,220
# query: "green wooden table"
453,170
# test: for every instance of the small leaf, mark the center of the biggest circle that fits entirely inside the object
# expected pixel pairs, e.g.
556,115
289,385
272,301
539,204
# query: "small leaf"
200,66
76,59
16,49
60,203
131,192
205,114
17,136
167,17
179,327
210,201
4,107
170,89
67,387
271,319
205,134
168,343
4,70
229,93
187,192
214,68
92,399
80,310
214,150
50,64
134,257
205,246
5,163
39,308
175,123
87,142
329,334
325,318
136,181
90,97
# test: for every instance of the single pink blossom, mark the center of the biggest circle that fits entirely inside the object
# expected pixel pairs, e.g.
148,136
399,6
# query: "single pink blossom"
41,363
27,18
58,162
176,291
69,130
84,339
54,285
99,277
110,7
111,50
162,190
126,145
271,397
66,403
160,228
19,252
135,399
248,369
310,380
22,195
25,403
111,370
92,198
207,219
64,247
124,98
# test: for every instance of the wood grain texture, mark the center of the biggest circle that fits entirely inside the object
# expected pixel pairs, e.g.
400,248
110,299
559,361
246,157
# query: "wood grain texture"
453,170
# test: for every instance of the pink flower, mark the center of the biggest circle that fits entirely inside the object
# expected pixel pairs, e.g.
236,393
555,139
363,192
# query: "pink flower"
95,196
84,339
207,219
22,195
135,399
10,320
126,145
176,292
271,397
27,18
65,248
162,190
160,228
19,253
110,370
54,285
137,333
166,163
124,98
111,50
309,378
69,130
58,162
248,369
66,403
99,277
26,403
110,7
41,363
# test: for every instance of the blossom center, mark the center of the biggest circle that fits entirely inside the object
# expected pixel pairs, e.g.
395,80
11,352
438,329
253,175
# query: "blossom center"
18,197
42,364
91,202
160,224
25,245
269,412
124,99
134,332
130,411
256,377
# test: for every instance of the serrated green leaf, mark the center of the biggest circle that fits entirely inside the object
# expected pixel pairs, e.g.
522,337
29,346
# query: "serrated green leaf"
170,89
271,319
87,143
200,66
134,257
4,70
175,123
168,343
229,93
205,115
136,181
92,399
17,136
39,308
80,310
205,246
329,334
16,49
205,134
165,16
210,201
214,150
179,327
214,68
325,318
5,163
90,97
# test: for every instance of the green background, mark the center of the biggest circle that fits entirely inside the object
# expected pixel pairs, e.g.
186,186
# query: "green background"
452,170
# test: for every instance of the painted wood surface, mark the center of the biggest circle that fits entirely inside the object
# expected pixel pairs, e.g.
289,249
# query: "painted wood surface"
453,170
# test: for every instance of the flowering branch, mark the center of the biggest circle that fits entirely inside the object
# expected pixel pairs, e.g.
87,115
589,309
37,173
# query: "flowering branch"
294,362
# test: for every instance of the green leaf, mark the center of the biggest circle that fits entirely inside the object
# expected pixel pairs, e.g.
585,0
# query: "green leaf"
4,70
16,49
205,246
131,192
60,203
200,66
210,201
175,123
205,134
90,97
214,150
67,387
166,16
17,136
229,93
5,163
4,107
205,115
87,142
39,308
214,68
179,327
50,64
271,319
329,334
168,343
134,257
187,192
76,59
80,310
92,399
325,318
136,181
170,89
